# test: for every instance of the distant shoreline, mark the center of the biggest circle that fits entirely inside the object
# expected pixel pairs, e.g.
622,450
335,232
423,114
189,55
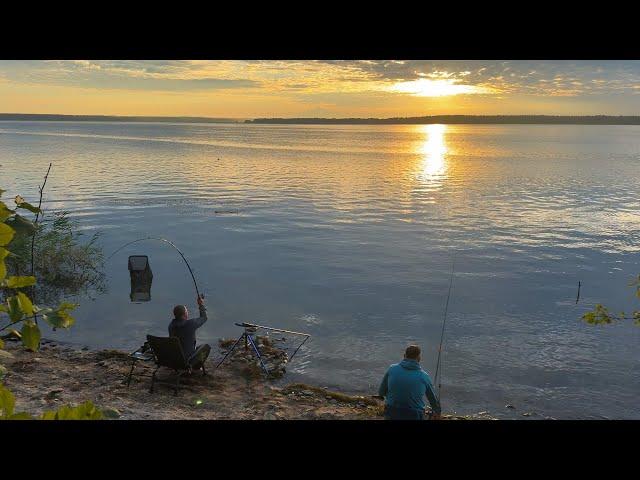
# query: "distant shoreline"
425,120
45,117
461,119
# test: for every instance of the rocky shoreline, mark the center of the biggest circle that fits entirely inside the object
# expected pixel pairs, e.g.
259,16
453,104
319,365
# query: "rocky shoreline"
60,374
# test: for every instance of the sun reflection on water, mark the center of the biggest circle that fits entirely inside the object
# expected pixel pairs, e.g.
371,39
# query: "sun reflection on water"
434,151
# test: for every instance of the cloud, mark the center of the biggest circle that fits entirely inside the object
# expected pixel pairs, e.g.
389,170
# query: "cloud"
385,87
556,78
515,77
122,75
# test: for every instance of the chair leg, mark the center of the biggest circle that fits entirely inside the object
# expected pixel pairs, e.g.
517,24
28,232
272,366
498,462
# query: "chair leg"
204,372
177,384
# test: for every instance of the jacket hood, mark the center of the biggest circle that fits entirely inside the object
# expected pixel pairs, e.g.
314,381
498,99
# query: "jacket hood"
410,364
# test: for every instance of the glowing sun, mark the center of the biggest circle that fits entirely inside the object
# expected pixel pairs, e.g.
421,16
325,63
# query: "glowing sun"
425,87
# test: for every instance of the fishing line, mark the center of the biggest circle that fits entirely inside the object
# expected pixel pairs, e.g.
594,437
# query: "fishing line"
444,321
170,243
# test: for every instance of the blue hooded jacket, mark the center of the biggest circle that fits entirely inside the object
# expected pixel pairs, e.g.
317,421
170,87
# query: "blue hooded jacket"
405,385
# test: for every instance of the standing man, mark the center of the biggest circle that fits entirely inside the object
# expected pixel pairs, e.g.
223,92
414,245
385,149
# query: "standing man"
404,387
185,328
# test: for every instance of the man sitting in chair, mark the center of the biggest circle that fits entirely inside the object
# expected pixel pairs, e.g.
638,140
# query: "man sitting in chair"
185,328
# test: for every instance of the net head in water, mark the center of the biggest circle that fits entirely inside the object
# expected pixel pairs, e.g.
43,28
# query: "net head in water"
141,278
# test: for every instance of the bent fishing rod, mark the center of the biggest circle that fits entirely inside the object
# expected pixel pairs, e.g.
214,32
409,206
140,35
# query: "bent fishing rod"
170,243
444,322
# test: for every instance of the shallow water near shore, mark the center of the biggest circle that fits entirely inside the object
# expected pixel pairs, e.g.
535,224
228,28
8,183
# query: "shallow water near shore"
349,232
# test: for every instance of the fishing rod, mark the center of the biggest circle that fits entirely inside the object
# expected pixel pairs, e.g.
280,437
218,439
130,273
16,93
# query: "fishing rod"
444,321
170,243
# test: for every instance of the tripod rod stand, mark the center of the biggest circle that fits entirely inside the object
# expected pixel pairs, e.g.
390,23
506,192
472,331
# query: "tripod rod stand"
249,340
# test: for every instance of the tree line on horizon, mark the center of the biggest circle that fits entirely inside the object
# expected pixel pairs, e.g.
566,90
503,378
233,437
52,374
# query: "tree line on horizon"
430,119
461,119
54,117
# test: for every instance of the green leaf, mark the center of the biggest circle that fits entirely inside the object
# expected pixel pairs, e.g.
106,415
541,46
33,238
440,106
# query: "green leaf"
64,413
6,234
19,282
25,304
14,309
3,268
31,335
3,371
84,411
598,316
68,306
88,411
7,402
60,317
21,225
1,343
50,415
5,212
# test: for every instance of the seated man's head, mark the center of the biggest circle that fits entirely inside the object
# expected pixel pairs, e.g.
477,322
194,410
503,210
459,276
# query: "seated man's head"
180,312
412,353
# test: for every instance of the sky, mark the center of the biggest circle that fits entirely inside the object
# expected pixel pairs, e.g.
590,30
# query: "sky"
341,88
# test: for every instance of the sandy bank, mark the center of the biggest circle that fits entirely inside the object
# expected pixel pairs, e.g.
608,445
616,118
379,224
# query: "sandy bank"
59,374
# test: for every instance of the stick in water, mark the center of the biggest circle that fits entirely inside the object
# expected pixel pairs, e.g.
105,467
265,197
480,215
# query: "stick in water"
33,237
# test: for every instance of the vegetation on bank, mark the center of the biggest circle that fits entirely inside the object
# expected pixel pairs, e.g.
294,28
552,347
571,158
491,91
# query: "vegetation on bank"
18,237
63,262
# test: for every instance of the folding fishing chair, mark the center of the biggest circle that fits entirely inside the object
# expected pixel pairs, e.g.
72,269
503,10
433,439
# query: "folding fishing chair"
168,353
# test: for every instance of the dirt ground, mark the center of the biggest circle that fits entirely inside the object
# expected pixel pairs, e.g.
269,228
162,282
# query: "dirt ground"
61,374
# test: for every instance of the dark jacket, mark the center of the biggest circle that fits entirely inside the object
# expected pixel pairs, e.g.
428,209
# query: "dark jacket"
405,385
185,330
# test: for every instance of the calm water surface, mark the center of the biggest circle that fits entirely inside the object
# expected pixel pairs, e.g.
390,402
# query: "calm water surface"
348,233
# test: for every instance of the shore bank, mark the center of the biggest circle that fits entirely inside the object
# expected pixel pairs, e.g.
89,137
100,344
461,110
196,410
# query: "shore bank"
61,374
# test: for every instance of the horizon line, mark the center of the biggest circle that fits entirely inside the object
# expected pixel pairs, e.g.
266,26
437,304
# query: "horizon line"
444,118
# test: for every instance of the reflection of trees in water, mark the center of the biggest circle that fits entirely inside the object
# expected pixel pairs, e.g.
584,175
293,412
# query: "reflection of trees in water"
66,262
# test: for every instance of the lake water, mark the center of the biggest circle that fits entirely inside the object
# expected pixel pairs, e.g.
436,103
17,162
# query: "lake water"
349,233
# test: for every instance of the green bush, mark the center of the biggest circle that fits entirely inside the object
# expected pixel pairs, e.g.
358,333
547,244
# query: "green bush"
63,262
18,309
16,304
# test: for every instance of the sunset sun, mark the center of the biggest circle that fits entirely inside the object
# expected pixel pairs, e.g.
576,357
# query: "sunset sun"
425,87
